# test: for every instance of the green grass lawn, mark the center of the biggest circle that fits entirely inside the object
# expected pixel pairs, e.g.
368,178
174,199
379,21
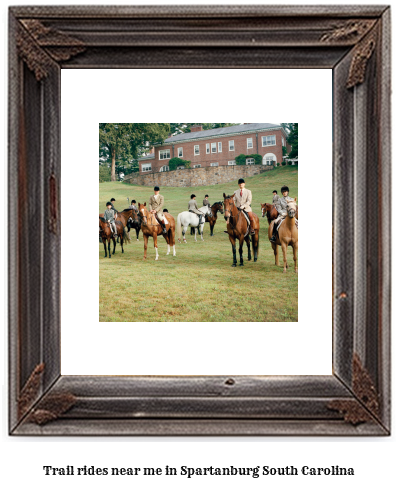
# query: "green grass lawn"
199,284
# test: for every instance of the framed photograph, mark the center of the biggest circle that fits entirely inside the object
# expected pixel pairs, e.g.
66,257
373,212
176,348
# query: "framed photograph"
352,44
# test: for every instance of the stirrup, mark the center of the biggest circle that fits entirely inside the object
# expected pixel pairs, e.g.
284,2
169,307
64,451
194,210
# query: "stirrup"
273,238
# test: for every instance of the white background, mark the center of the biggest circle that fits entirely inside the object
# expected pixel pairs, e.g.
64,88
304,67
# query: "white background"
98,348
374,459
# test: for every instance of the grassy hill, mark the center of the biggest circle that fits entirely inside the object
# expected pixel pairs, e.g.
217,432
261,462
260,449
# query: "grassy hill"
199,284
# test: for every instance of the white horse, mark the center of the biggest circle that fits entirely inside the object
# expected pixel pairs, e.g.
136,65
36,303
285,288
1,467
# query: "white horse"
187,219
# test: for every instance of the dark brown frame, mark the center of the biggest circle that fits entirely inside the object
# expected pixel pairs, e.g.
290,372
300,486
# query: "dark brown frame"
353,41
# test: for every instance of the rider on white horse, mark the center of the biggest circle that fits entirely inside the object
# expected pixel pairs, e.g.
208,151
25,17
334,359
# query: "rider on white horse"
193,208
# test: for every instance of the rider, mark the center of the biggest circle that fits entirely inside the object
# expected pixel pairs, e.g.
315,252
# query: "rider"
276,197
156,205
192,206
133,205
112,204
206,201
243,199
281,207
109,216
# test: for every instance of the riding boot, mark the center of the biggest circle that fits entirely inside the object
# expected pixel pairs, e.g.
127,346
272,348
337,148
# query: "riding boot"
164,231
273,238
114,230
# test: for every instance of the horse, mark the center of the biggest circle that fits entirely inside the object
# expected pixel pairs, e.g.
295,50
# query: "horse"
124,217
151,228
134,222
271,212
107,235
216,207
287,236
237,228
187,219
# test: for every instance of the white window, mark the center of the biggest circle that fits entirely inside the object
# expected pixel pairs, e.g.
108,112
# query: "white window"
231,145
196,166
180,167
180,152
220,146
269,159
164,154
250,161
215,164
232,162
196,150
165,168
250,143
145,167
268,141
282,142
213,148
208,150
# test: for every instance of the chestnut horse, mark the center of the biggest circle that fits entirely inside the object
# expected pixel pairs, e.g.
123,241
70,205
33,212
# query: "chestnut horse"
106,235
237,227
216,207
123,216
287,236
151,228
271,211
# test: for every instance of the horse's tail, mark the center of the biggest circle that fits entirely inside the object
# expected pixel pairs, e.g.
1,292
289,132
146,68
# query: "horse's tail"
178,226
126,237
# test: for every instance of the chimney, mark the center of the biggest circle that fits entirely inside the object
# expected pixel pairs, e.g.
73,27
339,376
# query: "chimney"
196,128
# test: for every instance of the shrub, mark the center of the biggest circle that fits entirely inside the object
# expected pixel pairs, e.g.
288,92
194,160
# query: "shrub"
175,162
284,163
258,158
240,159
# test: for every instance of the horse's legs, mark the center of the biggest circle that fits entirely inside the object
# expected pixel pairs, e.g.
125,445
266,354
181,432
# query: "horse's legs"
109,247
233,246
122,244
105,246
202,231
137,233
184,234
248,241
156,246
145,246
284,249
212,226
255,243
295,249
240,249
113,238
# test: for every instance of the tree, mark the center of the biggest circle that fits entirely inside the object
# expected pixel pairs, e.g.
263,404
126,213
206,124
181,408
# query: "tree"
125,142
293,141
186,127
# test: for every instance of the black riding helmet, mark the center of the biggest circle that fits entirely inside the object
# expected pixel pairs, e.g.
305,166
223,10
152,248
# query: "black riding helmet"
193,196
285,188
109,204
241,181
156,188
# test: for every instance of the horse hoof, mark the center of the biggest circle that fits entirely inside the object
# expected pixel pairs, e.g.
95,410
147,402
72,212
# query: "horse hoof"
241,265
255,260
234,265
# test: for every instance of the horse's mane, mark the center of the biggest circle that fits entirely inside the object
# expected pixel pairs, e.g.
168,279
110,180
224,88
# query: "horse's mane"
126,209
102,219
217,203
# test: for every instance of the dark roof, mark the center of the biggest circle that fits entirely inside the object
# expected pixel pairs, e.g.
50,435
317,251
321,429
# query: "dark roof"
149,156
221,131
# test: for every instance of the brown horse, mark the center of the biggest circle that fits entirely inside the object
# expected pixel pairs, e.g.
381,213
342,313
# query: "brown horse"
106,235
237,228
271,211
134,222
216,207
151,228
287,236
123,216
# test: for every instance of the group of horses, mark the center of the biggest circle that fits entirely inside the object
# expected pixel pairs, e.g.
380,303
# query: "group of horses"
237,229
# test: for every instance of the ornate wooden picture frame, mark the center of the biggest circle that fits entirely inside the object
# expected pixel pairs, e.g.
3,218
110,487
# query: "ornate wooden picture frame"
352,41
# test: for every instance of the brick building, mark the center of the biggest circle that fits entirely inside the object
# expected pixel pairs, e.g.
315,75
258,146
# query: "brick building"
218,147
